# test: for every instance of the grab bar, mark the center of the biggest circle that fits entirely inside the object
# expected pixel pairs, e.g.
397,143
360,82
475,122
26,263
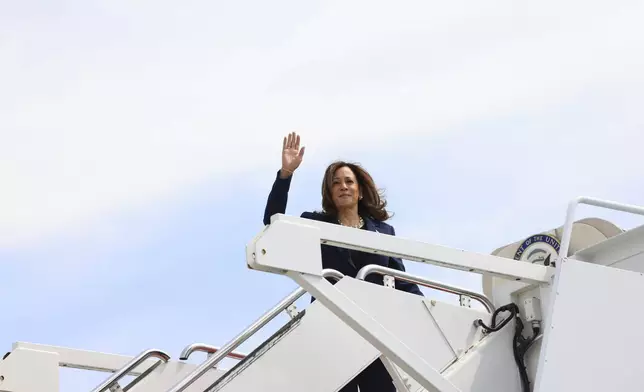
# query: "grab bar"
331,273
208,349
373,268
570,217
245,334
136,361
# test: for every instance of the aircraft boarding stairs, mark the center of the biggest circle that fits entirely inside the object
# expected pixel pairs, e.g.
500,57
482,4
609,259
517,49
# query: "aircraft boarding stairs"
425,344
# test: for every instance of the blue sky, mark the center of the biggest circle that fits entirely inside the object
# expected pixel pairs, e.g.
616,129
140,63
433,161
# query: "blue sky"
140,142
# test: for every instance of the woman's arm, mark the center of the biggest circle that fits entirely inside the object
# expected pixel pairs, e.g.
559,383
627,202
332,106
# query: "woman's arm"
278,197
291,158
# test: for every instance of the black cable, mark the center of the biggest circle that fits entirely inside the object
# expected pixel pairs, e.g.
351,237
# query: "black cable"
512,308
518,349
520,344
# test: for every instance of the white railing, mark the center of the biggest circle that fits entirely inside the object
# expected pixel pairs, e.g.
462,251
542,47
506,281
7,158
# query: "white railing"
136,361
227,349
570,216
433,284
378,243
207,348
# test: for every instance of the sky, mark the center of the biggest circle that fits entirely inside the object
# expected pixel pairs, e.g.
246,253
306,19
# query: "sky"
140,140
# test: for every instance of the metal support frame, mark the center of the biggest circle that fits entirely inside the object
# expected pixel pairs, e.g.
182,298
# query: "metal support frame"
388,245
372,331
292,311
377,269
245,334
136,361
291,246
464,301
389,281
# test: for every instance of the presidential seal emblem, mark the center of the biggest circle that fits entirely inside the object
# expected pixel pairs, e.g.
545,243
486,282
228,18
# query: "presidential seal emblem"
538,249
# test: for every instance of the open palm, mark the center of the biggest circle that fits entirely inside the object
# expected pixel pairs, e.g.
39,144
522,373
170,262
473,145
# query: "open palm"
292,154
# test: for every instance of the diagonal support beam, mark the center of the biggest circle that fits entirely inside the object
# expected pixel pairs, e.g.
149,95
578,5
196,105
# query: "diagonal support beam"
372,331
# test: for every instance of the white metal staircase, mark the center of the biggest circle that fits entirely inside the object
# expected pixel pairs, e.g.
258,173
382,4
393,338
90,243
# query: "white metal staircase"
579,325
300,354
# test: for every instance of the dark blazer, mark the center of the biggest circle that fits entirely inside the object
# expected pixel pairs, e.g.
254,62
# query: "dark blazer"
348,262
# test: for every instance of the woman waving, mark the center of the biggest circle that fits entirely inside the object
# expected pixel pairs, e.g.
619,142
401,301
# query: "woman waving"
349,198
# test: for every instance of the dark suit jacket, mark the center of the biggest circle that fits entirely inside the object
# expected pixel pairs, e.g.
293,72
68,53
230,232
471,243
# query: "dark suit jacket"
348,262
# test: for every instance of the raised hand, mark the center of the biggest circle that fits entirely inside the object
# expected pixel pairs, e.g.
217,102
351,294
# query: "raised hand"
291,154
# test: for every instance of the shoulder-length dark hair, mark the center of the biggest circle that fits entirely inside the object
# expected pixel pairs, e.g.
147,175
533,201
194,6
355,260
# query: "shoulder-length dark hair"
372,203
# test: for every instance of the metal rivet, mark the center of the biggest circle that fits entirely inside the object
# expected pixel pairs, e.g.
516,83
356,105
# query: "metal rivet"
263,251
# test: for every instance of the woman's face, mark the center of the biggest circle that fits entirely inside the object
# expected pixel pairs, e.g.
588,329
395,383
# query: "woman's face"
345,190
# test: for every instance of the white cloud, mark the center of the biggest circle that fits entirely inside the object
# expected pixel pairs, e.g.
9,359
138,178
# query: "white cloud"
122,104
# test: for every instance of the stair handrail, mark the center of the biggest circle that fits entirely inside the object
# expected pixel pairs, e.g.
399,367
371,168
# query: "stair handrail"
128,367
246,333
188,350
591,201
374,268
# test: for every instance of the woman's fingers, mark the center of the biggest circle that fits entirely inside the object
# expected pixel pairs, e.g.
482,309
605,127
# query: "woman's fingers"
292,140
